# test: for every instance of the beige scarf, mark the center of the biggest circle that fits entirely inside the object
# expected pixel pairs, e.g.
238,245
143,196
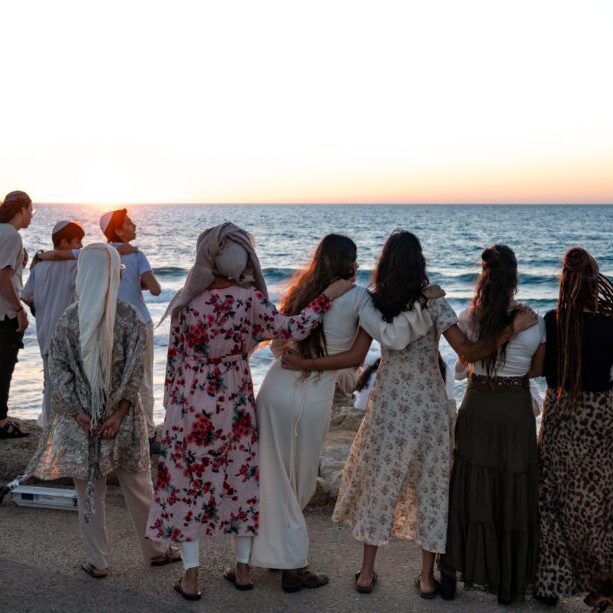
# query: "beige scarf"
224,251
97,284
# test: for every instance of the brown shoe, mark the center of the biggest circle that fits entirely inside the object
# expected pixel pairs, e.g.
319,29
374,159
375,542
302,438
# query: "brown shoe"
295,580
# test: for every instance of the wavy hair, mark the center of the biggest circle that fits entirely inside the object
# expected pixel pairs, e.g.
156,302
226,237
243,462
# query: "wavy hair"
334,258
582,289
494,292
400,276
13,203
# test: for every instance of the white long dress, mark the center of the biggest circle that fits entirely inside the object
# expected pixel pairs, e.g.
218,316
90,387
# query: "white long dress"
293,413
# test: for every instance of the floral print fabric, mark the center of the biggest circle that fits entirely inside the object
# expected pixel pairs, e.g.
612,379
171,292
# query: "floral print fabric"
207,480
396,479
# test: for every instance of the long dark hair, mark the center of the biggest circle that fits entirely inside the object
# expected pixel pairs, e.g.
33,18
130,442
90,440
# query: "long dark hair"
13,203
582,289
400,276
496,286
333,259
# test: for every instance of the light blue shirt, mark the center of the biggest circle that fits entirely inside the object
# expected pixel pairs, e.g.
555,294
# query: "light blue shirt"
130,290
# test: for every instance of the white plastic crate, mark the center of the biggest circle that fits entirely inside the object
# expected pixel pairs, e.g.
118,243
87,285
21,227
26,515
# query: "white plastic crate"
44,497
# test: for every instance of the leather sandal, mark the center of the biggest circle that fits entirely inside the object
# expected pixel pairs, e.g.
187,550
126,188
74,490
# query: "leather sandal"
94,572
230,575
295,580
366,589
187,595
427,595
12,430
170,557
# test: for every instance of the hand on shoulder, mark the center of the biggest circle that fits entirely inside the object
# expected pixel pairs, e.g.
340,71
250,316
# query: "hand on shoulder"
524,318
433,291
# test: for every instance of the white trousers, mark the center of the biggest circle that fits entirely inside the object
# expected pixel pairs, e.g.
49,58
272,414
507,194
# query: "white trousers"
146,388
190,552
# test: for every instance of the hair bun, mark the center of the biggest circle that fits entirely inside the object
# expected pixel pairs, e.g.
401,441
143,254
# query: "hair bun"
490,255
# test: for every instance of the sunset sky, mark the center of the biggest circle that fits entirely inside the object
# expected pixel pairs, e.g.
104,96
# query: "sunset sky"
320,101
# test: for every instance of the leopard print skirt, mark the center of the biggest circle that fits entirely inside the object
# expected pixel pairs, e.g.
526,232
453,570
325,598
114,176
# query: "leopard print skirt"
575,492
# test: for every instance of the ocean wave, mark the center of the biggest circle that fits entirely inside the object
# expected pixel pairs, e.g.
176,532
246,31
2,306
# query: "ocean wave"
170,271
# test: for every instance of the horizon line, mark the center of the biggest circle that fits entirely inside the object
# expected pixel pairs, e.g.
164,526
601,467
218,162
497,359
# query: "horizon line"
126,204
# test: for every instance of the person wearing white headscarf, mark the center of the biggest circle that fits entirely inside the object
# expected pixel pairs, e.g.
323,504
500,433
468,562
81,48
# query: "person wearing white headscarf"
97,424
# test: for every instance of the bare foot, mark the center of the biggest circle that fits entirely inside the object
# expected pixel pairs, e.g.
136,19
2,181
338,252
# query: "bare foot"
242,572
427,583
189,582
365,578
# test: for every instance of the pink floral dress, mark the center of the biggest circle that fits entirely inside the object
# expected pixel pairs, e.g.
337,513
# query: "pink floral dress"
207,478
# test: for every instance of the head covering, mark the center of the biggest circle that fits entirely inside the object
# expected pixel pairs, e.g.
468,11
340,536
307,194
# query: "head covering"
112,220
98,276
225,251
60,225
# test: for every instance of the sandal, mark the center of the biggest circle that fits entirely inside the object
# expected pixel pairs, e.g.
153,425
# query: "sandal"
187,595
12,430
94,572
294,580
230,575
366,589
427,595
170,557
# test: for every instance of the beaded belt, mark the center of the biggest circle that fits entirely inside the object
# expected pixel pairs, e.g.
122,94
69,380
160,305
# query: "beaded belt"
498,384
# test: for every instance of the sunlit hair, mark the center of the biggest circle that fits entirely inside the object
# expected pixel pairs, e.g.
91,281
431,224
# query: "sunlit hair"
494,292
400,276
582,289
13,203
334,258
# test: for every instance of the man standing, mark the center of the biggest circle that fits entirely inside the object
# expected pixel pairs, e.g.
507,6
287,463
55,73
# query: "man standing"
119,230
49,291
15,214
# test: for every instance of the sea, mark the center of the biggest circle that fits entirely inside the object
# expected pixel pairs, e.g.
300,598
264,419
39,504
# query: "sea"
452,237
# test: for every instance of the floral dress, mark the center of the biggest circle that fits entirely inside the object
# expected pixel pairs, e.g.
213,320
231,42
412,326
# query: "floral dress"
207,478
396,479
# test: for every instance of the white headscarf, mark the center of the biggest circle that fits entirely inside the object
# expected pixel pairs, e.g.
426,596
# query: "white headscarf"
98,276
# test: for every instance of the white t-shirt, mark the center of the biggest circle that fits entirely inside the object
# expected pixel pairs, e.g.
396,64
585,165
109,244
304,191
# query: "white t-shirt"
51,288
129,289
520,348
11,256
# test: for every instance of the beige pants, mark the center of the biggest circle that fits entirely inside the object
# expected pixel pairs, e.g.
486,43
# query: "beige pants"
146,388
137,491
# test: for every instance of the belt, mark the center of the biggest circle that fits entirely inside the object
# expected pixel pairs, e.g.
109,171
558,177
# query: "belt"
483,383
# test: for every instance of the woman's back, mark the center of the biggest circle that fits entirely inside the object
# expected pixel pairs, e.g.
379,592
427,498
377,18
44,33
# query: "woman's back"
597,352
519,351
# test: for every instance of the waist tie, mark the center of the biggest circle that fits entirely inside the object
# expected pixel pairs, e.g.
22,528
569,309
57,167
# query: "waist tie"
498,384
201,360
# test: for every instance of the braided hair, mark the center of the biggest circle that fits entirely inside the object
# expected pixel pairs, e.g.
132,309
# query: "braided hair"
582,289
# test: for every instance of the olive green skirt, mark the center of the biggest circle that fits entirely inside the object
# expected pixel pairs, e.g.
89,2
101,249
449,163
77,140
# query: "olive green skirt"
492,535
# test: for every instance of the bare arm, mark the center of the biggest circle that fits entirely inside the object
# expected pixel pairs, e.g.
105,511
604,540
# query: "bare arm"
475,351
538,362
149,282
347,359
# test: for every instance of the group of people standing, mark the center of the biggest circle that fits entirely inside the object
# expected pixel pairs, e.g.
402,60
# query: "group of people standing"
497,509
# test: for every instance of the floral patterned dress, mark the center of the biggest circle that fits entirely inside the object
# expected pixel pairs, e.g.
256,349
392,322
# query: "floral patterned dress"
207,478
396,479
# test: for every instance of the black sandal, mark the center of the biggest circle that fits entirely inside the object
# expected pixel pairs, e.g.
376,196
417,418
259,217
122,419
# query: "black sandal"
230,575
178,588
12,430
366,589
92,571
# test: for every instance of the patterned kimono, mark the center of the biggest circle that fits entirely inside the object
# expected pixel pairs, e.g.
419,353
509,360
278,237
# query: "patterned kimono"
207,479
65,449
